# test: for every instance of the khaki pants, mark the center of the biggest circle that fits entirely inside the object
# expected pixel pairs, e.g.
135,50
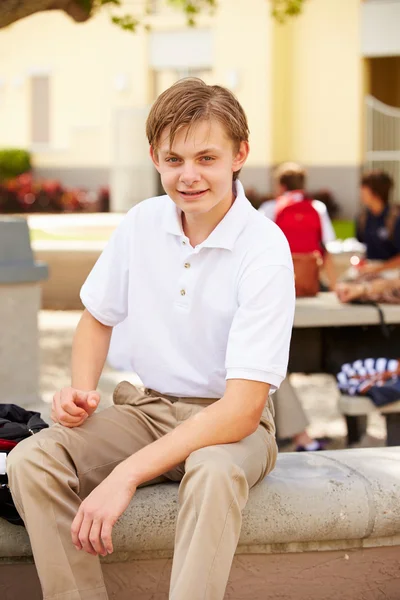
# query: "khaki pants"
54,470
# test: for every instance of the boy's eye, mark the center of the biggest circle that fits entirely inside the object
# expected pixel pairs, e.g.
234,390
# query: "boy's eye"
172,159
207,158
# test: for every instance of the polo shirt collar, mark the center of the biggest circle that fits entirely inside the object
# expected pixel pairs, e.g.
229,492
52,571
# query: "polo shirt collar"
226,232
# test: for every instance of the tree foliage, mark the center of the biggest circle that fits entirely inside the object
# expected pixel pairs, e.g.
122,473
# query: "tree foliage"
82,10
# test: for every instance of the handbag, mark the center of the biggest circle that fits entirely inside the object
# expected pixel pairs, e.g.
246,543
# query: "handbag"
16,424
306,273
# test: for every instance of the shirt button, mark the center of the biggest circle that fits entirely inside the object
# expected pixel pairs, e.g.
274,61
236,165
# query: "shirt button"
187,265
183,242
183,293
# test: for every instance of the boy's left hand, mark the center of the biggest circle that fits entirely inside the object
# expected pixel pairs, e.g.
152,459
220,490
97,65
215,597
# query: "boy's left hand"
91,529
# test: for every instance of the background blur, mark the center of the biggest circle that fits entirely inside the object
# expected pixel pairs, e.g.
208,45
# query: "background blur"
322,89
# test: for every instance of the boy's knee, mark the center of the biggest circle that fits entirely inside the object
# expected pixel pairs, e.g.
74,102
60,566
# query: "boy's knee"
31,453
212,465
21,462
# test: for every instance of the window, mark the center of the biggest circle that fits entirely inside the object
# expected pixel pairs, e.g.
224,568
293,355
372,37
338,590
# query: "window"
40,109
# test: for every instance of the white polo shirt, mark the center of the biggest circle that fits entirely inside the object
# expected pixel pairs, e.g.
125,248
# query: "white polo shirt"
193,317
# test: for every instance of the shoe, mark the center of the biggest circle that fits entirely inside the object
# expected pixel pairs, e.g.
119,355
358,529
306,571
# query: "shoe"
317,446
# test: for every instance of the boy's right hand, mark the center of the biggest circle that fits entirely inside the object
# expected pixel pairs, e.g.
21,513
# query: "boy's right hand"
72,407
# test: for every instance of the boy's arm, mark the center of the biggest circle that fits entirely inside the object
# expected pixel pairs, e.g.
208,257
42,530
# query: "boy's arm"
89,352
235,416
72,405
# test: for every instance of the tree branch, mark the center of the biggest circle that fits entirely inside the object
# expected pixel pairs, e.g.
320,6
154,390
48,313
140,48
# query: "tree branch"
13,10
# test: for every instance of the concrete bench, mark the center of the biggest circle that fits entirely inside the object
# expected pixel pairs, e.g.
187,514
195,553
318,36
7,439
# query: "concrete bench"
323,525
356,410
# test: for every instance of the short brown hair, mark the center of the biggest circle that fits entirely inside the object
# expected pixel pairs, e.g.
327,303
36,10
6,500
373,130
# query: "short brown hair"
379,182
189,101
291,175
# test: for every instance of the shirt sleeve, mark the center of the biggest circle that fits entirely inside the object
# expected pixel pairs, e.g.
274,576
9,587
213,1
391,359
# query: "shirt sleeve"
268,209
105,292
259,338
328,233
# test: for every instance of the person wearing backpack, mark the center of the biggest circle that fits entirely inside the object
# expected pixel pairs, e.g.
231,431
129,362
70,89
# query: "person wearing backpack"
307,227
378,225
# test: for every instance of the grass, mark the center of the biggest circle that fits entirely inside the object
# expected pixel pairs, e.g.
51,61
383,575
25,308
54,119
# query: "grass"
344,229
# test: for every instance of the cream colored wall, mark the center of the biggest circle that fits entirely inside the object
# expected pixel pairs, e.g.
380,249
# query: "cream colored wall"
300,84
84,59
243,42
318,81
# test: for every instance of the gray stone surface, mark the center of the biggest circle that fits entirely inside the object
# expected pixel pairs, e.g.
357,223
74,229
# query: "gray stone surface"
312,501
16,257
19,344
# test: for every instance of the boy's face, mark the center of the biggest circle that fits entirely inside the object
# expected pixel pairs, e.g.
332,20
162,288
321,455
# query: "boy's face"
197,171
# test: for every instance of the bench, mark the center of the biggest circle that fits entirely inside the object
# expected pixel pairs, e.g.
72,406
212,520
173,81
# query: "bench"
323,525
356,410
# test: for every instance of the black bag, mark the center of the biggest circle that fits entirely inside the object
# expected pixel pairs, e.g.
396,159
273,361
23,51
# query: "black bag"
16,424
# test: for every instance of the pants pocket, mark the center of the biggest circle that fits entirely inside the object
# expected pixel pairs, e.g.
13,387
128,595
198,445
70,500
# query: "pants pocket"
126,393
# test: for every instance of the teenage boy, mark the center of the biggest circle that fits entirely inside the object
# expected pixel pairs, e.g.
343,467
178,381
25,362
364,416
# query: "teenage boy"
206,285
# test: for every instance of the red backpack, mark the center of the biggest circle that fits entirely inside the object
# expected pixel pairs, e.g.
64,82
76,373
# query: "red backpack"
301,225
300,222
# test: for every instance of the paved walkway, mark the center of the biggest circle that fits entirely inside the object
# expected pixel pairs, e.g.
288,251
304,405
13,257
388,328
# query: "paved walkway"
318,392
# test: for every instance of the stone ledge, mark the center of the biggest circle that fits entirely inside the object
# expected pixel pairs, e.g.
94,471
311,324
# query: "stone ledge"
341,499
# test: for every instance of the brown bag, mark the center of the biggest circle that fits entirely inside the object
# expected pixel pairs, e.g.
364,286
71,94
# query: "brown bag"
306,274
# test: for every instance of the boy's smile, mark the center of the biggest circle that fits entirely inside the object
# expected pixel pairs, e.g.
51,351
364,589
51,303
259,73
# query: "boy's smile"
197,172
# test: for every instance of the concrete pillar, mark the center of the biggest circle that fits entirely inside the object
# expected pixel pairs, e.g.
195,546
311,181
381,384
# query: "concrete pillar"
20,293
133,177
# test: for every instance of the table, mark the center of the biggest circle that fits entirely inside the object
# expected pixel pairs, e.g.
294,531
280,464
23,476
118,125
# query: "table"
325,310
327,333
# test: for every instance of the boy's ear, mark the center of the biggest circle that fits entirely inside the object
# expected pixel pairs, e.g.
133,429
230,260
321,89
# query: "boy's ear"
241,156
154,157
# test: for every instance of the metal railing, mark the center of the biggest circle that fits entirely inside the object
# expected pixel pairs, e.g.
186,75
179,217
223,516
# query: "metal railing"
383,140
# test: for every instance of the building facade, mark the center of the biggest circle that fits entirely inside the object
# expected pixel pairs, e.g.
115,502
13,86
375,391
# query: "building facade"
77,95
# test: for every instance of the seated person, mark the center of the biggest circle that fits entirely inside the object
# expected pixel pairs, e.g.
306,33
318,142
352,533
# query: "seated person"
290,181
378,225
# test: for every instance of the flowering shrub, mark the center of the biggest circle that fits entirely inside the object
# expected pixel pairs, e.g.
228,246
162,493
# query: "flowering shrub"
25,194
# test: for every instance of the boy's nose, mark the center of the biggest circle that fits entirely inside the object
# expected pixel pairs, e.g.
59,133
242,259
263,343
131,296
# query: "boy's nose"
189,175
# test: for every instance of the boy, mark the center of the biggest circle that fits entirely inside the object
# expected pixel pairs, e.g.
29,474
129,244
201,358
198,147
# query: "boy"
290,183
206,285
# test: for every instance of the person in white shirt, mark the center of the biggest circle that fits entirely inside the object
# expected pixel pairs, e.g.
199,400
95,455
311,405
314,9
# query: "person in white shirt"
205,287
